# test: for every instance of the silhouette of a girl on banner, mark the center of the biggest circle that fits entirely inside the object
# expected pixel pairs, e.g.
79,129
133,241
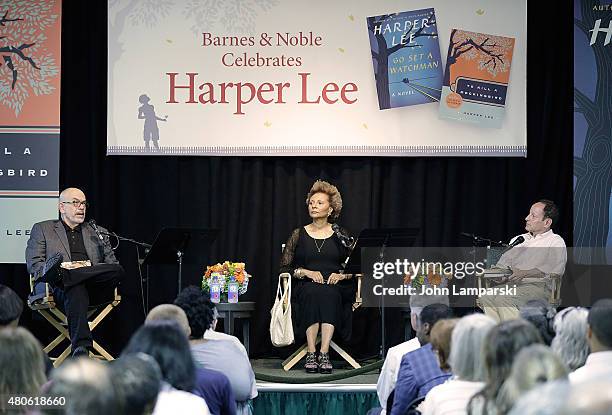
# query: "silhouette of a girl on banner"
151,131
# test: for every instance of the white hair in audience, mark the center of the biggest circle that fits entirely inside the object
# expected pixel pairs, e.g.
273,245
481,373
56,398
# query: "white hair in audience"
466,359
534,365
547,399
570,342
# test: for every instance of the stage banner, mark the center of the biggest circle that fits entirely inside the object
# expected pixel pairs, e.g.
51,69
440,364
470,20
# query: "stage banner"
30,34
592,130
317,78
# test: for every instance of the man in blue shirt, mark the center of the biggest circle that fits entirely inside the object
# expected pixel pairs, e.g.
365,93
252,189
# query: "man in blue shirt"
419,371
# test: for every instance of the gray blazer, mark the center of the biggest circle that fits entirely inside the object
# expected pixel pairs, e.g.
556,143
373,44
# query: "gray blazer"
49,237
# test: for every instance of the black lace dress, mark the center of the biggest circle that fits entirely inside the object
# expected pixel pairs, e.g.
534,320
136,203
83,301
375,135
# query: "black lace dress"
313,302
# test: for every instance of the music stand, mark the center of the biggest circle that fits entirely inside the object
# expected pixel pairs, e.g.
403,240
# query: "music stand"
380,238
174,244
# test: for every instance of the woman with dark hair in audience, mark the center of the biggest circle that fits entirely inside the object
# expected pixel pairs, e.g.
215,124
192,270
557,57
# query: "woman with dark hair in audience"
501,346
22,366
11,307
221,353
165,342
534,366
570,341
541,315
467,365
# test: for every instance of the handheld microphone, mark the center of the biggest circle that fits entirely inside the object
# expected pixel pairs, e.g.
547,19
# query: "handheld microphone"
346,240
92,223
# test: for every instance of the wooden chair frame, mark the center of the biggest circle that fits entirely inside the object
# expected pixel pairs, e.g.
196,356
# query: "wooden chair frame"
301,352
555,294
493,255
47,308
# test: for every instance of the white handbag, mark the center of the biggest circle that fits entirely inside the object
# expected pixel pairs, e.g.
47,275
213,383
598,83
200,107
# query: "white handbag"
281,329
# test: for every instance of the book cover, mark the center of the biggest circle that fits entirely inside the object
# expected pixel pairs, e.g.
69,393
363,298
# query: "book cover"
406,58
476,78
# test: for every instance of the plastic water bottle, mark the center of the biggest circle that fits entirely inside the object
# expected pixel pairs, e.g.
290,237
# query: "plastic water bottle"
232,292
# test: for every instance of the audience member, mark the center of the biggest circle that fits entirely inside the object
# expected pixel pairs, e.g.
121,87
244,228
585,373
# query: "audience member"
22,366
419,370
570,341
599,334
388,373
11,307
138,377
501,346
440,339
219,354
87,387
592,397
467,365
211,385
546,399
534,366
166,343
541,315
211,334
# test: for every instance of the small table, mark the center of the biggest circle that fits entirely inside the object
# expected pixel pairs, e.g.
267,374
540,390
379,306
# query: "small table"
230,311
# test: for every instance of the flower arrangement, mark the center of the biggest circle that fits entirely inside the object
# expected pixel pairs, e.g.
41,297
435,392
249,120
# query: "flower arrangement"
431,279
224,274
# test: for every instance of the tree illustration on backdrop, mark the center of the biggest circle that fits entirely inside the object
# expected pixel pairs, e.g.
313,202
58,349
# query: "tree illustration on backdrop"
489,50
383,52
26,66
593,169
234,16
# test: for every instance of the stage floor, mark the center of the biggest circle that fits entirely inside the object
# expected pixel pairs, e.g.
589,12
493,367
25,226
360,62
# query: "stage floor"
273,367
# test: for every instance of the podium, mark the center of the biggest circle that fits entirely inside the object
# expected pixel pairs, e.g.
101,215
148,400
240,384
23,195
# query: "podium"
180,245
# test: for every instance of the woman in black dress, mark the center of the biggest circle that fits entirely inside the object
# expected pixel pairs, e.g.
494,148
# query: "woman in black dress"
321,294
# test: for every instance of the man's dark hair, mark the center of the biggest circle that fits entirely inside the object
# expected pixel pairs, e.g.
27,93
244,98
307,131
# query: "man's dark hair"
11,305
166,342
551,210
199,309
599,320
539,313
139,378
434,312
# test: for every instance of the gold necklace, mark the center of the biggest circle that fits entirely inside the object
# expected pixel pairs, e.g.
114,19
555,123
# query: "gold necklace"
317,245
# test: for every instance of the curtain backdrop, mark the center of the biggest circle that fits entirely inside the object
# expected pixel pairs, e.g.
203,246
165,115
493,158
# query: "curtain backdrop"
256,202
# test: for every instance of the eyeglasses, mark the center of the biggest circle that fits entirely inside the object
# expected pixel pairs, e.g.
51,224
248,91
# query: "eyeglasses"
77,203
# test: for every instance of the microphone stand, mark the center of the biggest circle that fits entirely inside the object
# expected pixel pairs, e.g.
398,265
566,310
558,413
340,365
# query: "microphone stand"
144,280
123,238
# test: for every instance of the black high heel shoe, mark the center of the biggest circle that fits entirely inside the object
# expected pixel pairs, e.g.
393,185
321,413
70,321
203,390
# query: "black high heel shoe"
325,365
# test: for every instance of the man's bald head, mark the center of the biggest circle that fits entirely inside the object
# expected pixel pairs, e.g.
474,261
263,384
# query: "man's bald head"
71,192
72,206
170,312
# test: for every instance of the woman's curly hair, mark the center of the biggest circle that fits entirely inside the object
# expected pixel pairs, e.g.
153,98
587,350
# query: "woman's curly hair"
335,199
199,310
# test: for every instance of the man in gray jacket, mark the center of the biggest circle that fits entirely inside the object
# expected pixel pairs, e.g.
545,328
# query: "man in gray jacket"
75,241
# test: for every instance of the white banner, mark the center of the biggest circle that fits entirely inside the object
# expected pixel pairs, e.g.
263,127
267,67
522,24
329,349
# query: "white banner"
288,77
